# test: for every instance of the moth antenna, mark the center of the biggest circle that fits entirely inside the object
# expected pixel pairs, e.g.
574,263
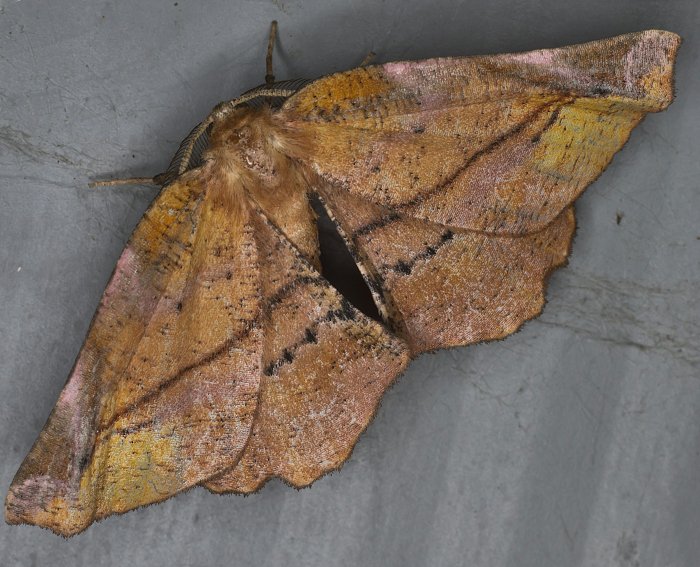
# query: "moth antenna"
269,77
193,137
124,181
368,59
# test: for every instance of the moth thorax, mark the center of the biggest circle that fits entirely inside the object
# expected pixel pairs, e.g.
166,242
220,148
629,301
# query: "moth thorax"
249,143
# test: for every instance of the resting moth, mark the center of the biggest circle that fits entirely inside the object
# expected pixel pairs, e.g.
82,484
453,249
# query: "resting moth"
220,355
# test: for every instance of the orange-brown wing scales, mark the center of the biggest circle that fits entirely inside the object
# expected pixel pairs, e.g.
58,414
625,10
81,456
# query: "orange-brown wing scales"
201,351
636,67
510,184
446,287
326,366
500,144
164,390
287,207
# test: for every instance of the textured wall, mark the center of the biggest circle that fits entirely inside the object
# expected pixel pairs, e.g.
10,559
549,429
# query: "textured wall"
574,442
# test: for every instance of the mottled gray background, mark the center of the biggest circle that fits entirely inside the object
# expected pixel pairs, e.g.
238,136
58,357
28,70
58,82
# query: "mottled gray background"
575,442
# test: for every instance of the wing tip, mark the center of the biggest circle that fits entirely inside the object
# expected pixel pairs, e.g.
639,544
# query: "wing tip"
29,503
634,68
648,67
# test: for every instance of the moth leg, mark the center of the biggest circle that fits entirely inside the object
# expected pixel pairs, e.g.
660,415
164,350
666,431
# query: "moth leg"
368,59
125,181
269,76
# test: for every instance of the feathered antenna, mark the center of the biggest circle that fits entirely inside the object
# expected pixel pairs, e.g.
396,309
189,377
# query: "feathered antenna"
182,161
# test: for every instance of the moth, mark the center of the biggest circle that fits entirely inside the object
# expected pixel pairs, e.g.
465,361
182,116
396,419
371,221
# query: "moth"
219,354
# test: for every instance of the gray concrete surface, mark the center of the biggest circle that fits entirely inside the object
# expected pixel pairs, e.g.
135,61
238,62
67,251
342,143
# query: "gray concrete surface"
575,442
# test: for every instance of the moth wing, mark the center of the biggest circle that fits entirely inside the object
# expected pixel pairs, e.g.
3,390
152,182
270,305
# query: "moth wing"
164,389
326,366
441,286
499,144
